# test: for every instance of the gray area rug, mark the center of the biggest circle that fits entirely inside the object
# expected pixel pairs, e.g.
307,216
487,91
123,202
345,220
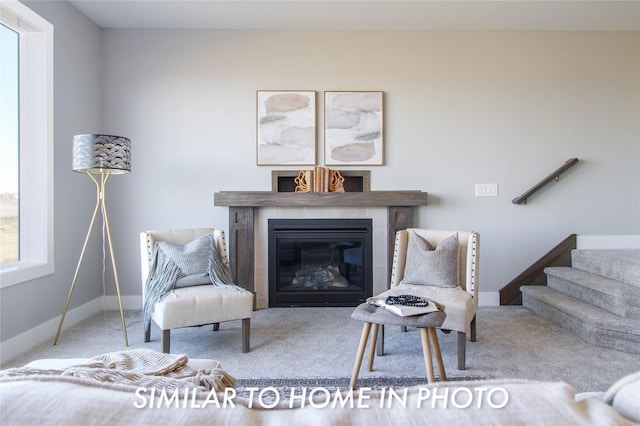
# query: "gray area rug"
336,382
321,343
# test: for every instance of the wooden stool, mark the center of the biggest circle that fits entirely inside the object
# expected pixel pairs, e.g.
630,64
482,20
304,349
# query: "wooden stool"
375,315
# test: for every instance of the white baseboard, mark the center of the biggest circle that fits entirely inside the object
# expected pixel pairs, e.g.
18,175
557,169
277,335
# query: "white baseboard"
608,242
488,298
46,332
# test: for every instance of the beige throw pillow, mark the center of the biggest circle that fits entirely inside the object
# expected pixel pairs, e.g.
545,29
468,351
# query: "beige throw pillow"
428,266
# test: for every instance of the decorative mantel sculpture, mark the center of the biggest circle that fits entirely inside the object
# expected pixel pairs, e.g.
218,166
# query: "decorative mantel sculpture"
302,181
336,182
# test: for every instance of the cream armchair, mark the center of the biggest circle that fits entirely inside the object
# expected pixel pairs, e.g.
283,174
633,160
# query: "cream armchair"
194,305
461,303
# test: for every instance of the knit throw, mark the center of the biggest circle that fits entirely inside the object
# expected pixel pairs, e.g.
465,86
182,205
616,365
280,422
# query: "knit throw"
170,262
139,368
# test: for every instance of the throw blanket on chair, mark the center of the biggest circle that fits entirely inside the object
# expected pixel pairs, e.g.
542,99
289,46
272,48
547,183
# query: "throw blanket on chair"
171,262
138,368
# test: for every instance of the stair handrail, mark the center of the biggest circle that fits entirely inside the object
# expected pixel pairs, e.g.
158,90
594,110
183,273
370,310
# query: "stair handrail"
555,175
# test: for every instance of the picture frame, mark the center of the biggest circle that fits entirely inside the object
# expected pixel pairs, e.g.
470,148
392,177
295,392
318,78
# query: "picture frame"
354,128
285,127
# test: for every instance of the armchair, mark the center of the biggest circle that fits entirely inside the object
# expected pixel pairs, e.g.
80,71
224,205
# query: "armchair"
461,303
193,305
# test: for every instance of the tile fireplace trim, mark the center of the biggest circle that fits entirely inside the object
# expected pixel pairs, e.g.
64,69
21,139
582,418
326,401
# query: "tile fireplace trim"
241,205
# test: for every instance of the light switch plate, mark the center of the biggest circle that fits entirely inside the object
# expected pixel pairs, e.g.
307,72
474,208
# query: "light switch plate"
486,189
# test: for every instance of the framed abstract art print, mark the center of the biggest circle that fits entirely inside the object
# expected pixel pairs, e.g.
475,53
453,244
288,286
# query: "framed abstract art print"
285,127
354,128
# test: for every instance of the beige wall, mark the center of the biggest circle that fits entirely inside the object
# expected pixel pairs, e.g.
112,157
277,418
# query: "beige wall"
460,108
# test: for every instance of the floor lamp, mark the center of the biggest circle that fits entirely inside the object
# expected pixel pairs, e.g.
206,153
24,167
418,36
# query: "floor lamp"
99,156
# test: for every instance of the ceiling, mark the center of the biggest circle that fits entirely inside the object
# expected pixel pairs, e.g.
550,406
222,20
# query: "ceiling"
436,15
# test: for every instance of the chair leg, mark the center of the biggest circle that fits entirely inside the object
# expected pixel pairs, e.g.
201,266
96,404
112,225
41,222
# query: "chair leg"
246,335
462,348
216,326
380,345
166,341
436,347
147,335
361,347
473,328
374,338
426,351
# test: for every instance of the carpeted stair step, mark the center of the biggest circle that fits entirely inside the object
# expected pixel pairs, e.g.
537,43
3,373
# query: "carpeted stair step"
591,323
613,296
617,264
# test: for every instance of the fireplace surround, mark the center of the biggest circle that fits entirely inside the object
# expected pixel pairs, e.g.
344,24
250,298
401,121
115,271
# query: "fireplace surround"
319,262
247,210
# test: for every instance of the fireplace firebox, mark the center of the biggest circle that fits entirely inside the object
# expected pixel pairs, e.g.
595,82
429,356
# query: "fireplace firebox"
319,262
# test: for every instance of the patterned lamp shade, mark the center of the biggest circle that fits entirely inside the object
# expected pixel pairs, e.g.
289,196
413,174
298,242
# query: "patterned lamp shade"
100,153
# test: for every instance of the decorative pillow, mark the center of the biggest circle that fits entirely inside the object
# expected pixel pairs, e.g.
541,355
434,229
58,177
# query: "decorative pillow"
191,280
428,266
192,259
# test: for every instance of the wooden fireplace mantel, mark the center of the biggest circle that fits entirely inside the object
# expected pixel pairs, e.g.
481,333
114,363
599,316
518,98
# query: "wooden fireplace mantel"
319,199
241,205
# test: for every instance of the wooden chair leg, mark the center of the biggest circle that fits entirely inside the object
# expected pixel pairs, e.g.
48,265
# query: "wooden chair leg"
436,347
166,341
462,349
426,351
374,338
473,328
361,347
246,335
216,326
380,345
147,335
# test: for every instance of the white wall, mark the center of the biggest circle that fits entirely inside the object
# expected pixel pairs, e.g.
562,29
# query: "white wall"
77,109
460,109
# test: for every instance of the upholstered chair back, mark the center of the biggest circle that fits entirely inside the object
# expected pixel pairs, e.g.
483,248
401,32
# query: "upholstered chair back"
180,237
469,247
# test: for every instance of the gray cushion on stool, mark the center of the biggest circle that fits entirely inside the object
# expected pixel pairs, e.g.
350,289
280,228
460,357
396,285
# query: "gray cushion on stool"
377,315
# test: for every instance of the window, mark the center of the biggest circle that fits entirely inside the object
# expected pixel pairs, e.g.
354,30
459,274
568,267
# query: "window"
9,146
26,147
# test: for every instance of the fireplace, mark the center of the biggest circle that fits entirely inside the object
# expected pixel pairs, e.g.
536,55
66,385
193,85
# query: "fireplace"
319,262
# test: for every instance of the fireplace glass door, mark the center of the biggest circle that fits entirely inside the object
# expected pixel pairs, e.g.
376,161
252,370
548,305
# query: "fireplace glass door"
319,262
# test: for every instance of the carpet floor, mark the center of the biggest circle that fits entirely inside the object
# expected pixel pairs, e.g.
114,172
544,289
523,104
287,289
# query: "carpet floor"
321,343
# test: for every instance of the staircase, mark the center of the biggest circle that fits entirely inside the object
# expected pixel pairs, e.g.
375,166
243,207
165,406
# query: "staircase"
597,298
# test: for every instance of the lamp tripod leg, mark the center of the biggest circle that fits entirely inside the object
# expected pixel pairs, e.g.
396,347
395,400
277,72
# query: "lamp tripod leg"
113,263
75,276
100,203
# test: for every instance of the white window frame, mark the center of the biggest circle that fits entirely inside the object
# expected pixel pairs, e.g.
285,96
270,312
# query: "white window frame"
36,144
